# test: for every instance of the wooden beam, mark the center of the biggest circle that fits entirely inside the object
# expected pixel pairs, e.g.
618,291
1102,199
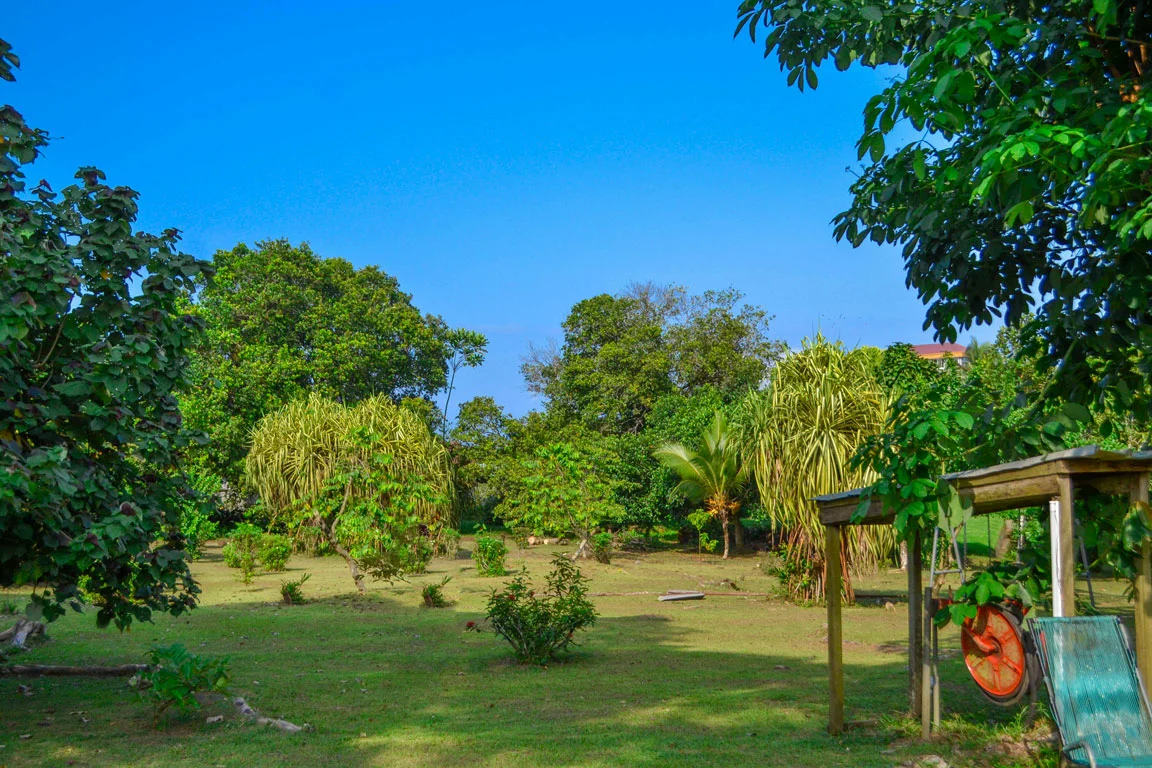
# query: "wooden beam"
1061,513
832,586
1143,614
915,622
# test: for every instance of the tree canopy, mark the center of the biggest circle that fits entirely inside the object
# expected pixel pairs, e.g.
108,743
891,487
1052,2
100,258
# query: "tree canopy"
1009,157
93,346
283,322
622,353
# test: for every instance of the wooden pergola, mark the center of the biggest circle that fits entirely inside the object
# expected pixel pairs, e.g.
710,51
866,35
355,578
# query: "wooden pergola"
1050,479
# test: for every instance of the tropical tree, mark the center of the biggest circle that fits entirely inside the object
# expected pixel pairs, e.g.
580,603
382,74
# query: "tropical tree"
622,353
283,322
371,480
712,473
93,346
800,436
561,491
1009,160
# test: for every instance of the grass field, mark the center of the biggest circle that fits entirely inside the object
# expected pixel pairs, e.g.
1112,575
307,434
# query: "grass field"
731,680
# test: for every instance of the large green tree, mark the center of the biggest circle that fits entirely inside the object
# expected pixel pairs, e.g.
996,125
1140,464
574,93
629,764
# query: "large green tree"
1010,157
93,346
622,353
283,322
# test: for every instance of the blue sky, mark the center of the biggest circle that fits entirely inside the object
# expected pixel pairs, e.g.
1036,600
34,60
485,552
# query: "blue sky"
503,160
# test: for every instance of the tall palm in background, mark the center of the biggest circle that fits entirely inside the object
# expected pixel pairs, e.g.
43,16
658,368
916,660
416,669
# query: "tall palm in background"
711,473
799,436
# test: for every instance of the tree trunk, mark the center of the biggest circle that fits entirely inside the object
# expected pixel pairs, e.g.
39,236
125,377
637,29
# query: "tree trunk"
724,525
353,568
1004,540
51,670
738,534
22,632
582,550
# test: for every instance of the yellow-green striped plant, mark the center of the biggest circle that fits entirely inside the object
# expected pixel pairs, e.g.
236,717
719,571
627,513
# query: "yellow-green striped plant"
371,479
799,436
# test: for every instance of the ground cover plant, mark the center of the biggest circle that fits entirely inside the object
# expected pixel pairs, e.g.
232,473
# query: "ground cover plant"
729,680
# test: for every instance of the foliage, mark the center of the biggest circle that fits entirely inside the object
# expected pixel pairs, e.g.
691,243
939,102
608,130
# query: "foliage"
1019,132
174,677
275,551
602,547
713,472
196,514
489,554
372,480
433,594
700,520
800,436
447,544
480,437
540,626
292,591
283,322
563,492
93,347
622,353
903,373
242,550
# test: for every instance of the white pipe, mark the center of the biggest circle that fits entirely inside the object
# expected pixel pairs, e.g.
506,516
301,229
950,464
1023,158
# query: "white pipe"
1058,607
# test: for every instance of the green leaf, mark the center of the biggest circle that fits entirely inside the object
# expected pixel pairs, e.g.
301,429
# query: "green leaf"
872,13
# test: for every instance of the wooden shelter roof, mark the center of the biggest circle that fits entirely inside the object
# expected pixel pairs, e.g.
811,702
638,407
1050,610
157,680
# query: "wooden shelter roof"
1025,483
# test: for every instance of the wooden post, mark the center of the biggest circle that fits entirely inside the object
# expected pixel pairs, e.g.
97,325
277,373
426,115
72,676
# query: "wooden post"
1063,551
1143,613
832,586
915,628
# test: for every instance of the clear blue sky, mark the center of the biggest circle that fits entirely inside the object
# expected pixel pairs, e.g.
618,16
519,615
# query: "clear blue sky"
503,160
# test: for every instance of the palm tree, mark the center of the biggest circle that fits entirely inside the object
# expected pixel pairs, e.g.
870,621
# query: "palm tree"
712,473
799,436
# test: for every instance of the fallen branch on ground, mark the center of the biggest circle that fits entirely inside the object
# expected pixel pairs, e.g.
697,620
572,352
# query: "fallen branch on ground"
22,632
246,711
48,670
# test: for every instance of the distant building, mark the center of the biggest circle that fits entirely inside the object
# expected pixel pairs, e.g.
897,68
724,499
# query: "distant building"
943,352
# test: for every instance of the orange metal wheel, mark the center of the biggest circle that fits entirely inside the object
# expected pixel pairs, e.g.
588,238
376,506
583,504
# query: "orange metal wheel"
994,652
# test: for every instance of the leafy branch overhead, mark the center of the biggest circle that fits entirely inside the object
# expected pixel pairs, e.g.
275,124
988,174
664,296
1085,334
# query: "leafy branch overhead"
1009,158
93,348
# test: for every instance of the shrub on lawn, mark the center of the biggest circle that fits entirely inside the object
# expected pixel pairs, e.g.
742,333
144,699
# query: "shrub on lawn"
539,625
489,555
433,594
602,547
242,549
292,592
174,677
275,551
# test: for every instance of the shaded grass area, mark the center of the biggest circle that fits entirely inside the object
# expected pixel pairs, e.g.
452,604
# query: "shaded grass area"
385,682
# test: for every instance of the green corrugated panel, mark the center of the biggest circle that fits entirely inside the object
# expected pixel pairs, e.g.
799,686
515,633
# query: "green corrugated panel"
1095,690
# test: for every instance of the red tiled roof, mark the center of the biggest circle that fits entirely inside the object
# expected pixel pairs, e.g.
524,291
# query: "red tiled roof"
956,350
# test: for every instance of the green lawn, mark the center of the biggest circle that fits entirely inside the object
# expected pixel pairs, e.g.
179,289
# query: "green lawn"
729,681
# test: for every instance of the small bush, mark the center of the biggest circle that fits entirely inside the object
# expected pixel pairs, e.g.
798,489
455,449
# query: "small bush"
447,543
292,593
433,594
538,626
489,555
174,677
196,514
602,547
275,551
242,549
